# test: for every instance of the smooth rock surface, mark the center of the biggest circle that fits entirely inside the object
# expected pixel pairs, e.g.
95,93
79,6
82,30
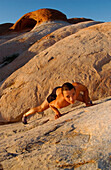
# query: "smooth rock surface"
80,139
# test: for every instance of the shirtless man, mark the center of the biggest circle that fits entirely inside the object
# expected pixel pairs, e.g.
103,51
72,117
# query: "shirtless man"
60,97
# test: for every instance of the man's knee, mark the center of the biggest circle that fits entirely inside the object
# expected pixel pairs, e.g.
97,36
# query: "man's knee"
33,110
41,108
44,106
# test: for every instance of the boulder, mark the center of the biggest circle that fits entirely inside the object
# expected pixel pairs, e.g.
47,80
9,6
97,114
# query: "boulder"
84,57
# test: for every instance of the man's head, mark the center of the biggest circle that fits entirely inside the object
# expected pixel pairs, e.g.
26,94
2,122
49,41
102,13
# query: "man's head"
68,91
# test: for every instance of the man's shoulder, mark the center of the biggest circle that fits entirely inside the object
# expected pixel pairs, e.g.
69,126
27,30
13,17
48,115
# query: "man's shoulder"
58,91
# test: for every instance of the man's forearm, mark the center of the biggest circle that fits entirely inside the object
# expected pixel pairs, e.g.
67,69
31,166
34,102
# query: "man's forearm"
56,111
86,96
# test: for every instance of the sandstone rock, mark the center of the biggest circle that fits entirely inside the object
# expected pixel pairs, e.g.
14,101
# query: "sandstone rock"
81,137
80,140
29,20
41,45
67,60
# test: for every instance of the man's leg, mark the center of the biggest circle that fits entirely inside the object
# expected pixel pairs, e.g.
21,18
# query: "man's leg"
41,108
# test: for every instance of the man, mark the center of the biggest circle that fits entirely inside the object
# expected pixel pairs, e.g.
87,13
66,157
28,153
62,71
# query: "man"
60,97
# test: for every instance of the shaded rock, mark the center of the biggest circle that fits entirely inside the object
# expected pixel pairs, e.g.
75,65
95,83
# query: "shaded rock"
22,42
5,27
29,20
77,20
79,139
41,45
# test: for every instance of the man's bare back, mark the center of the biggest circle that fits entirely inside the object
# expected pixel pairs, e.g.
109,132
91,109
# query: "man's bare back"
60,97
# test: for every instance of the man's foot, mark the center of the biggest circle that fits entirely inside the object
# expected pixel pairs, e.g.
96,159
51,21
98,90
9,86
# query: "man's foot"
24,119
89,104
57,116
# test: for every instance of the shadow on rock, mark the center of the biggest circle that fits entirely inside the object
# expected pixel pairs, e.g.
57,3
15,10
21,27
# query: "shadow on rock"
1,167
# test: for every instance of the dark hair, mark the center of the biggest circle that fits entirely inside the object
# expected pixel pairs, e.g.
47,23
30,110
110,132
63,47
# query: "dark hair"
67,86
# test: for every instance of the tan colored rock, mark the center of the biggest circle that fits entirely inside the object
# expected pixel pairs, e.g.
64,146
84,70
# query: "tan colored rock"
29,20
80,140
84,57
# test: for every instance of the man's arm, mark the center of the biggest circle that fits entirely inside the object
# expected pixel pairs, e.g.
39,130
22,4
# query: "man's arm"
85,96
56,111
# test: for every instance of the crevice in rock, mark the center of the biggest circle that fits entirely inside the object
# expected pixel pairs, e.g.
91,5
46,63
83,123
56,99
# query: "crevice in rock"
76,165
100,63
52,130
8,59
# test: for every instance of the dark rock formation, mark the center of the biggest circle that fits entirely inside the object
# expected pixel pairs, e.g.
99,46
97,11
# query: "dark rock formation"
5,27
77,20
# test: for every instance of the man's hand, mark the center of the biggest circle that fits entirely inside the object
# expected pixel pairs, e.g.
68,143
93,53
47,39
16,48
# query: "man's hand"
89,104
